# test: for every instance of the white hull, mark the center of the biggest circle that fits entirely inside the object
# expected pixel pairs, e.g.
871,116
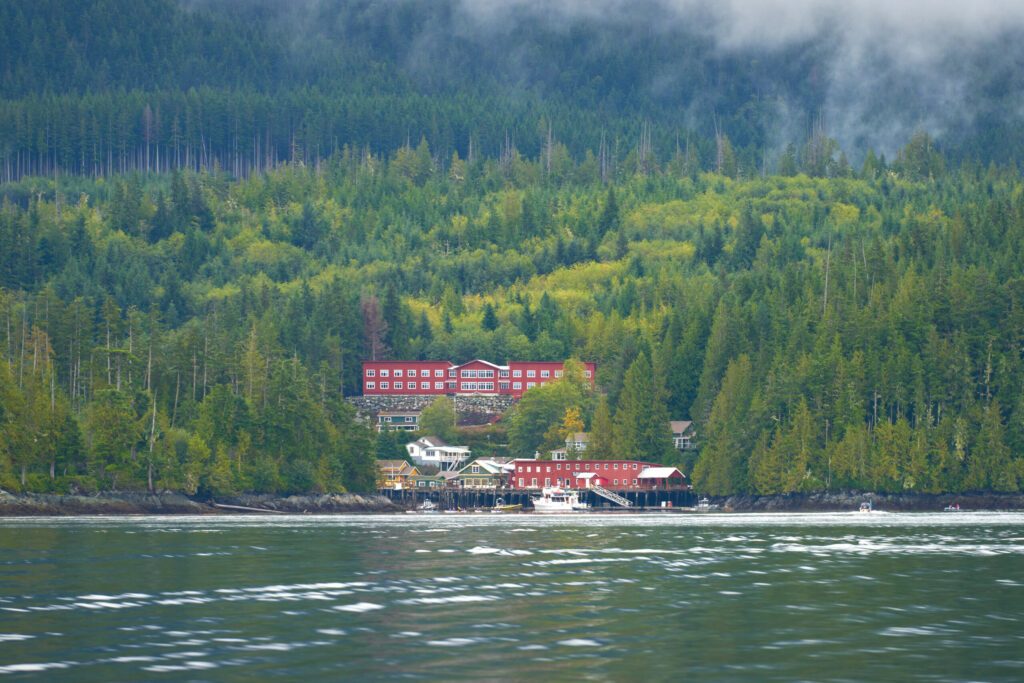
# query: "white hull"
558,501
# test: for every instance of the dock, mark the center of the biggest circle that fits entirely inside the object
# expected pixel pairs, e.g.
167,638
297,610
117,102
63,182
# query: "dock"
668,500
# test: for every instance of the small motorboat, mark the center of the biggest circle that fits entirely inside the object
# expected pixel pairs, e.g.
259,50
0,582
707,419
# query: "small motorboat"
953,507
705,505
866,506
427,506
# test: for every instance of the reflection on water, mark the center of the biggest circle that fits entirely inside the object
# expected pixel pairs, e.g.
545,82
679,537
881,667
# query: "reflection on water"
663,596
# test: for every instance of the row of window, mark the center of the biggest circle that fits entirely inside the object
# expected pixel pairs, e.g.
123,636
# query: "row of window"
569,466
471,374
406,385
568,482
478,386
398,372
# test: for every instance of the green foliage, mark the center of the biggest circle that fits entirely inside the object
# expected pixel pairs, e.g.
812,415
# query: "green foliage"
438,419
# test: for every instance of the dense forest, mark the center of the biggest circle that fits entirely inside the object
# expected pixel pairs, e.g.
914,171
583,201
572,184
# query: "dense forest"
203,234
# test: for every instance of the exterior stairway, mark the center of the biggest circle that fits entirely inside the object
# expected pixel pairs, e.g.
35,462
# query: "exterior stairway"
613,497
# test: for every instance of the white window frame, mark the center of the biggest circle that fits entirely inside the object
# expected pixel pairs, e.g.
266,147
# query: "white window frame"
371,385
398,385
384,385
545,373
517,385
439,386
383,372
531,373
424,373
503,373
371,372
398,372
558,373
517,373
438,373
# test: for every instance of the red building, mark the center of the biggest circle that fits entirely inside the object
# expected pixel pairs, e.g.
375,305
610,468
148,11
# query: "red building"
425,378
616,475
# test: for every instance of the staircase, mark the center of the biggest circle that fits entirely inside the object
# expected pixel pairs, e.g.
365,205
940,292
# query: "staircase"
613,497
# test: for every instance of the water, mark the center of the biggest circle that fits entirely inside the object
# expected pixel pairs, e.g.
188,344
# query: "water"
897,597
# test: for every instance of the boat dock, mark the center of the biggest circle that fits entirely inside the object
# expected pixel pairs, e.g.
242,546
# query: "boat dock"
479,499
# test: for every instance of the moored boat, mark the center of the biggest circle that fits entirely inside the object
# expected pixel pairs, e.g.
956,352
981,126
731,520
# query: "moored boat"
558,500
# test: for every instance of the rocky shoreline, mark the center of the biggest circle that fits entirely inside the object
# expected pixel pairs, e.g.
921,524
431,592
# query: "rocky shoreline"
167,503
851,500
130,503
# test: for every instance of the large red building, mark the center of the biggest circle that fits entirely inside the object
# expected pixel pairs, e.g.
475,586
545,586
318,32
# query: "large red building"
616,475
431,377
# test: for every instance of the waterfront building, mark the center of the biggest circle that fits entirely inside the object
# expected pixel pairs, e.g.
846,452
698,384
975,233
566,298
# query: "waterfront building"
583,474
432,451
399,420
395,474
436,378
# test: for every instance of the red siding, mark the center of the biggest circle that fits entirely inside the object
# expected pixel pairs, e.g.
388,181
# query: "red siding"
398,375
611,474
474,377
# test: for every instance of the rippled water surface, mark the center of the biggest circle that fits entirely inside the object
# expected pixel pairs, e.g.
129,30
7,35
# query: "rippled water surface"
881,597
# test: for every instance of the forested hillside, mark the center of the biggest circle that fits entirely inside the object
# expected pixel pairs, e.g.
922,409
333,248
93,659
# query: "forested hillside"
211,213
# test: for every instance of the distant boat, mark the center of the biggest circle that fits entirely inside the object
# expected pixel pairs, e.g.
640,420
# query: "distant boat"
954,507
866,506
558,500
705,505
427,506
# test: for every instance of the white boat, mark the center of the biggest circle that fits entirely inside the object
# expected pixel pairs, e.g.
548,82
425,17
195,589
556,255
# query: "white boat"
866,506
558,500
427,506
705,505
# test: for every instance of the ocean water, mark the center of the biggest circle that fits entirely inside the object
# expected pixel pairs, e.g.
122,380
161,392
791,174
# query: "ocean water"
717,597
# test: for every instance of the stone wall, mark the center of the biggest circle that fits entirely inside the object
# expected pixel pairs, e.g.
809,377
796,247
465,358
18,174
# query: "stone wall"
470,410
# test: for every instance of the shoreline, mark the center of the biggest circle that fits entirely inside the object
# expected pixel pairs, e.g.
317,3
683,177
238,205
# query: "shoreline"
135,503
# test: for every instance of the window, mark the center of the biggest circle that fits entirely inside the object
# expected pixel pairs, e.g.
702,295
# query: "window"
424,373
533,482
577,467
615,466
371,373
503,373
517,385
411,385
522,482
615,481
529,469
383,373
451,373
439,385
438,373
547,481
383,385
587,374
634,466
545,373
558,373
451,385
398,385
530,385
517,373
503,386
475,469
549,468
371,385
398,372
606,465
469,373
531,373
634,482
558,466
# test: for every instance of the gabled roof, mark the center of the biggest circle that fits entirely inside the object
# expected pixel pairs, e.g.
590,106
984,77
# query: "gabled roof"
429,442
582,437
481,360
679,426
396,466
659,473
486,465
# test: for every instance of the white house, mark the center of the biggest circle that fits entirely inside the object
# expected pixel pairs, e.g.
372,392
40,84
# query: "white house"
431,450
682,434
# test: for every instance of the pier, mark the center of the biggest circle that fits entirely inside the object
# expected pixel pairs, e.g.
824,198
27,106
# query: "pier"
480,499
